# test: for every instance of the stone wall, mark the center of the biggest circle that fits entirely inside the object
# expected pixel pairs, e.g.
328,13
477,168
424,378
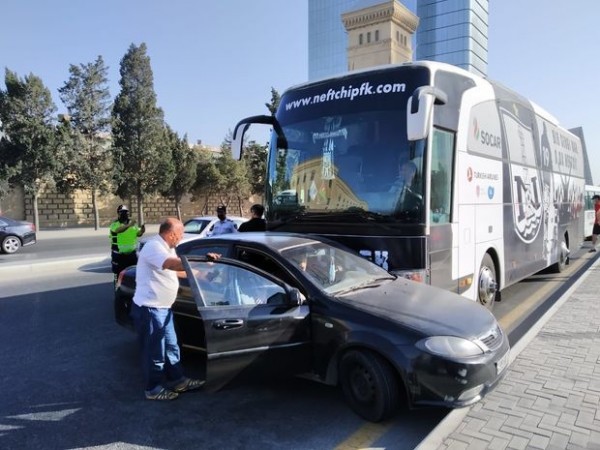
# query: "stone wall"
58,210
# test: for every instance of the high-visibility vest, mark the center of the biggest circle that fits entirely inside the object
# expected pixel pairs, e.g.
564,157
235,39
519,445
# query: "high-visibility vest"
124,242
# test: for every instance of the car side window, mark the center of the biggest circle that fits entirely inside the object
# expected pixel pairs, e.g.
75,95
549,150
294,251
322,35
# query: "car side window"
223,284
202,250
264,262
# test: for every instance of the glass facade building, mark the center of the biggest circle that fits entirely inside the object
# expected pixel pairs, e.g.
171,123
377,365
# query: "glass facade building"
455,32
452,31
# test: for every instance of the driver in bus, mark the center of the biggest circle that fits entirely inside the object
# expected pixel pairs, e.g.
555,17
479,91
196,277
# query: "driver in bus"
406,199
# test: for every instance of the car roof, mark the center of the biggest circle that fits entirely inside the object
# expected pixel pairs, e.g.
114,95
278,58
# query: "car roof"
276,240
214,218
9,220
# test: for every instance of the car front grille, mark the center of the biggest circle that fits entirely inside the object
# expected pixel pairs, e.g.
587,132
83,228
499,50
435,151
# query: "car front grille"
493,339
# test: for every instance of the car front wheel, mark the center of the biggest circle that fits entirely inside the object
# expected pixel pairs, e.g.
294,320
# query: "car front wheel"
369,385
10,244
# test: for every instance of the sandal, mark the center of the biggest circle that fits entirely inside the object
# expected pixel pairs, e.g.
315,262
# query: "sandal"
188,384
163,394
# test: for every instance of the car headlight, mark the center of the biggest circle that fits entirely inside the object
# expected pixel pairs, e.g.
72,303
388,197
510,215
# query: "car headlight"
450,347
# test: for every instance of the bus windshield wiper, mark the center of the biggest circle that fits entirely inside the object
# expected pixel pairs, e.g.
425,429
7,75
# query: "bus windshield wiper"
352,213
367,216
298,216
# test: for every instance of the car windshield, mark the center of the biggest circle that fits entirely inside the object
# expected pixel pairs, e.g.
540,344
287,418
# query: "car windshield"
334,270
195,226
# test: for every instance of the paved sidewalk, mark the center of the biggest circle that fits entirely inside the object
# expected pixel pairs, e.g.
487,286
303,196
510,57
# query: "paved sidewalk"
550,396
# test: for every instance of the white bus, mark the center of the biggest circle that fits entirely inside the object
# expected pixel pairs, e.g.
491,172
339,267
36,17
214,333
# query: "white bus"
589,212
496,183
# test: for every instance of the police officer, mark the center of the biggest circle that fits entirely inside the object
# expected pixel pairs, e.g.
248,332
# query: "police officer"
124,234
224,225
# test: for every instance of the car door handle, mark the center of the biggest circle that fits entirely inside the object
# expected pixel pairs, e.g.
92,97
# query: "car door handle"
227,324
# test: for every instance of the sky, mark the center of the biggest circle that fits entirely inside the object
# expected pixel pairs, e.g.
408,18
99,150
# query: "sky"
215,61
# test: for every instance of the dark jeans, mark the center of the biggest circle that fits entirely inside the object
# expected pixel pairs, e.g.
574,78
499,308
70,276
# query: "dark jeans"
158,343
120,261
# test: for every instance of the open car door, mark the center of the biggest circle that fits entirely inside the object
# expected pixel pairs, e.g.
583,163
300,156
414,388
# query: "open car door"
252,320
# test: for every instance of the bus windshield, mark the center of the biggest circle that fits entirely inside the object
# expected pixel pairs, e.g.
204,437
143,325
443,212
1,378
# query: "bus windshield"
335,164
347,149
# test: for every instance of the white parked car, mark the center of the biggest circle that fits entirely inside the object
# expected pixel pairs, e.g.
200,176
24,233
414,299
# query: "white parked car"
197,227
202,226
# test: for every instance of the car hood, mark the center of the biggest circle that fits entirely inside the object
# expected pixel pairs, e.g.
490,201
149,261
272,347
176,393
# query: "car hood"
423,308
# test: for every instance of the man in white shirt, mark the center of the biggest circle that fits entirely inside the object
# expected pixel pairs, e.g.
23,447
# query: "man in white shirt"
157,273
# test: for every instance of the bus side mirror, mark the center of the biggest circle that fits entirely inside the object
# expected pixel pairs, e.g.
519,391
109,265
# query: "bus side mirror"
419,111
242,126
238,140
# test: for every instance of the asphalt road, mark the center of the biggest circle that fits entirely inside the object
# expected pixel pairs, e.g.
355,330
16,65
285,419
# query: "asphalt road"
69,247
70,379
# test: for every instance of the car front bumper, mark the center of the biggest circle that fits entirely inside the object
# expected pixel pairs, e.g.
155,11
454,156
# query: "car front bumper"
456,383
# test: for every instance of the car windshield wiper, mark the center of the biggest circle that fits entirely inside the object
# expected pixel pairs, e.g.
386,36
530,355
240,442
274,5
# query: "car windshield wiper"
366,285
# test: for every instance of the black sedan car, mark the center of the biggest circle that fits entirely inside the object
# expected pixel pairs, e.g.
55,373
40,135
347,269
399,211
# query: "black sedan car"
15,234
307,306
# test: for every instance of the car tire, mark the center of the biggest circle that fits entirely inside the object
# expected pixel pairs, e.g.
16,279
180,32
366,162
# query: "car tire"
487,283
122,305
10,244
369,385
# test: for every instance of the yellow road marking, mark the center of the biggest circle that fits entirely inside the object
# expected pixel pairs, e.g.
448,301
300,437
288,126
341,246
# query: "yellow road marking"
365,436
520,311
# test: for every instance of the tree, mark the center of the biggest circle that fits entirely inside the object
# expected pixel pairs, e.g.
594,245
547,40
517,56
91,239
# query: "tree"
7,169
27,116
234,177
275,99
208,178
88,157
185,162
142,158
255,159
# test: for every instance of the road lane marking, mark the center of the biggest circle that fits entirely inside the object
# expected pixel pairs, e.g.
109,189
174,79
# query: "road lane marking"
365,436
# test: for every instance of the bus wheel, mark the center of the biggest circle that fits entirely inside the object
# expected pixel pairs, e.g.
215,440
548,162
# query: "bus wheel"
487,284
563,256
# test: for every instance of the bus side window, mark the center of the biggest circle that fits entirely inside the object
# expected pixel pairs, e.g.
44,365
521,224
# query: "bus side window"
441,176
439,197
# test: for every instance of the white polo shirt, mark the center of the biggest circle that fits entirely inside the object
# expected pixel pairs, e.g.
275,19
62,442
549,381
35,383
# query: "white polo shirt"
155,287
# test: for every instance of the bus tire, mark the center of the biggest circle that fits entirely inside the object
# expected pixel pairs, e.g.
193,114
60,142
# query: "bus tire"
563,257
487,283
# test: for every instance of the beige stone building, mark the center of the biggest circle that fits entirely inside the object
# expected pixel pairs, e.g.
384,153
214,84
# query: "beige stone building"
379,35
